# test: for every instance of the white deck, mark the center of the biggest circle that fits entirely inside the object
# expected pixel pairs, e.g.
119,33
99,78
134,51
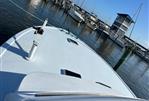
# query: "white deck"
55,53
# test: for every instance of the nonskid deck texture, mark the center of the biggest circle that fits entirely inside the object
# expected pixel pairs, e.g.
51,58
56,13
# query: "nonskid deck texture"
57,50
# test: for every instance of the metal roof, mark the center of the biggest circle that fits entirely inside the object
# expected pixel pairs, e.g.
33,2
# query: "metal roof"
126,15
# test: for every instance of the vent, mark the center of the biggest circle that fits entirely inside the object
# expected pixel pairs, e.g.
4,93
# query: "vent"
72,41
103,84
70,73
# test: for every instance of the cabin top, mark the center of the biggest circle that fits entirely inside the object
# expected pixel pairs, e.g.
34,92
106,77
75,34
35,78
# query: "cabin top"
58,52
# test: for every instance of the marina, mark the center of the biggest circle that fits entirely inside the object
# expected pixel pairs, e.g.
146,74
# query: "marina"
88,28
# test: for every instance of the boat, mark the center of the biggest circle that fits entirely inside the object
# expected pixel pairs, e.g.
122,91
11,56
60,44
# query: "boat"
44,63
76,15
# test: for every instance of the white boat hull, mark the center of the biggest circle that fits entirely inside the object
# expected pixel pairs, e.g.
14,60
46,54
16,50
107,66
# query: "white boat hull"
75,15
56,50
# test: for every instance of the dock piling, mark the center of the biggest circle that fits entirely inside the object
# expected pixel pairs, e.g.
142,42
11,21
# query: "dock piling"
127,52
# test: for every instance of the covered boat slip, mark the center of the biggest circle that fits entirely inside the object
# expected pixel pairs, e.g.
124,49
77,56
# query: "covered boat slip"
58,52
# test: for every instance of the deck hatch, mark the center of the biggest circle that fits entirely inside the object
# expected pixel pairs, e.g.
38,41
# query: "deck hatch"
70,73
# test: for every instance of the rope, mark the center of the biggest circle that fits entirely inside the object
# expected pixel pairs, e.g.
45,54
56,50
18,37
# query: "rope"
26,11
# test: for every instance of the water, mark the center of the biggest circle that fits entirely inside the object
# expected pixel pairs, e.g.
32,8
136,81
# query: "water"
135,71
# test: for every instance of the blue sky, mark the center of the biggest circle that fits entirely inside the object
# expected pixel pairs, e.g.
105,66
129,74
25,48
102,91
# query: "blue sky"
107,11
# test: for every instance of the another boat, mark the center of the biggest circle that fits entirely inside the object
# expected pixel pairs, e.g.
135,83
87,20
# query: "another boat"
48,63
91,22
76,15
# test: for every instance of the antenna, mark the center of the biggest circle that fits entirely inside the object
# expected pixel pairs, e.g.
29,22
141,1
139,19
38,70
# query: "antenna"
137,16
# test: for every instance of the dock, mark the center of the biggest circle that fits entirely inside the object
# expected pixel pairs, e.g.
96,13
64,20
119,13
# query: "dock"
92,21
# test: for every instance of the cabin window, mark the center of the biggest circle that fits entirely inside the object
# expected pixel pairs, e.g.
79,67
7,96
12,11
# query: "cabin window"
70,73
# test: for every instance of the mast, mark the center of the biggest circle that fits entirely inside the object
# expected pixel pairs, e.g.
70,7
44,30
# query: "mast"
137,16
82,3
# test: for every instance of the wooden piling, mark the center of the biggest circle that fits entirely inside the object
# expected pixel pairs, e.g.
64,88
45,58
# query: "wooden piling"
127,52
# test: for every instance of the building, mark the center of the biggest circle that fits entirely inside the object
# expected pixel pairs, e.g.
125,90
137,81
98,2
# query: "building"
120,25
